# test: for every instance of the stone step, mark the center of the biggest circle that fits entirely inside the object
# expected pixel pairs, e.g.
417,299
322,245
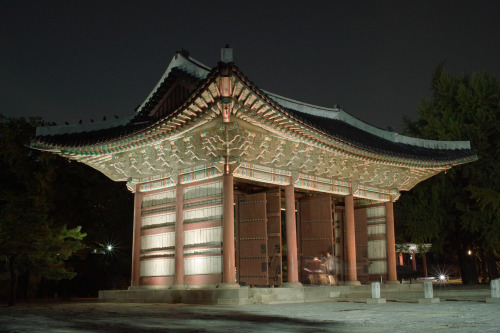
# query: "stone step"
278,295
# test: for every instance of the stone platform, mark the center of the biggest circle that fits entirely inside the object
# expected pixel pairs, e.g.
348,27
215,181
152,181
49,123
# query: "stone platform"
247,295
283,295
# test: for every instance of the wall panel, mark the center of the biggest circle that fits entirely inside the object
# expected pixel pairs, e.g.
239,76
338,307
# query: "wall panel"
202,240
158,241
157,267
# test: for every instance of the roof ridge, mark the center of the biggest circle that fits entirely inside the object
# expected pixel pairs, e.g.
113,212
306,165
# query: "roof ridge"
184,62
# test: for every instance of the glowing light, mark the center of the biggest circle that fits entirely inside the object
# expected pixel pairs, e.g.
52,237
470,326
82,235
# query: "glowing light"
108,247
469,252
442,275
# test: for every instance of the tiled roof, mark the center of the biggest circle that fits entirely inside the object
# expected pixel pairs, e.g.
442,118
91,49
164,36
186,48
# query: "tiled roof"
175,75
92,137
367,141
335,128
139,121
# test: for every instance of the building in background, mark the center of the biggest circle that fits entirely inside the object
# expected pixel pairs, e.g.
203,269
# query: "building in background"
407,256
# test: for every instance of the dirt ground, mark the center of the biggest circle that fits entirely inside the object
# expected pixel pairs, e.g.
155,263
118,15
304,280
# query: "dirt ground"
91,316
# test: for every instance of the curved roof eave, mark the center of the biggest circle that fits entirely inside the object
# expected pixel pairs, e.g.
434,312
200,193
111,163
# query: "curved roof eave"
339,114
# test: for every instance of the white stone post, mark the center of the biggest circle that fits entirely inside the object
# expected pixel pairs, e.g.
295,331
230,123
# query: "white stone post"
428,291
495,291
495,288
375,290
375,295
428,294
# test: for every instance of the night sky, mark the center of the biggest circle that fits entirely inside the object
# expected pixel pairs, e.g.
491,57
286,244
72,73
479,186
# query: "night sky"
72,60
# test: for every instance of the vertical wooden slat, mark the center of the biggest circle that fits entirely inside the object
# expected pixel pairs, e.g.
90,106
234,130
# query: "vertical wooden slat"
273,214
391,244
228,250
179,235
291,236
360,223
339,244
136,241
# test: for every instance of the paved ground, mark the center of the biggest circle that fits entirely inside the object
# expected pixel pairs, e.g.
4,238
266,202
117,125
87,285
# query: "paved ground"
310,317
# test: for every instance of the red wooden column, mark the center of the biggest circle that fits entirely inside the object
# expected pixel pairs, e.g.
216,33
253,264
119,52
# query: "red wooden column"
228,277
424,263
414,261
390,243
136,241
179,237
291,238
350,239
401,263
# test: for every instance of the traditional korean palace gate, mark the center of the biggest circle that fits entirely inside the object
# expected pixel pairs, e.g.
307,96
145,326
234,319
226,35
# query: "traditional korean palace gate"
237,186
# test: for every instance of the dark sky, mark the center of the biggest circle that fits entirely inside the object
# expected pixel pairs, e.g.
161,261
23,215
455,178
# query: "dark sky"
71,60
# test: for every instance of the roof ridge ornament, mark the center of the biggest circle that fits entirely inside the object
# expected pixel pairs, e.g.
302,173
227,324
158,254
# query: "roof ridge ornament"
183,52
226,54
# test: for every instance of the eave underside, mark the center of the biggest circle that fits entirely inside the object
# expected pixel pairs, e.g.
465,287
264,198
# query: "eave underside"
258,154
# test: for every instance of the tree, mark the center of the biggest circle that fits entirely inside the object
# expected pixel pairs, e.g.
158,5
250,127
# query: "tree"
30,241
82,196
459,211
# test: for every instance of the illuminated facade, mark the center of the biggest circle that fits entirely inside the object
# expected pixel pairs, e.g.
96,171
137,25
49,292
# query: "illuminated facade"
225,174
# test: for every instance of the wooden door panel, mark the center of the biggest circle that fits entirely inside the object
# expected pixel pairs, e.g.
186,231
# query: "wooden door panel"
273,212
252,239
316,235
360,225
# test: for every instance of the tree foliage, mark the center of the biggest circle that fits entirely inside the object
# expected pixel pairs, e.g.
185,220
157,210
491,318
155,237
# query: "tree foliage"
48,203
459,210
30,240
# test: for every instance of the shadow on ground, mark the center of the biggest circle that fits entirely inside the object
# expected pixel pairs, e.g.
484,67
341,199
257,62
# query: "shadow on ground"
108,317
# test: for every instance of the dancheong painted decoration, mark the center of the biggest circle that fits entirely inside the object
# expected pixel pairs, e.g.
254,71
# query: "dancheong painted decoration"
237,186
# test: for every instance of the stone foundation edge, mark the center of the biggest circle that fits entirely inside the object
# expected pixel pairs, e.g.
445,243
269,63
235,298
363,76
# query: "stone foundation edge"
186,296
213,295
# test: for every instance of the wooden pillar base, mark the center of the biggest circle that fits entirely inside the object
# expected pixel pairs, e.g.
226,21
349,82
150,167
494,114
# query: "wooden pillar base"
391,282
228,285
179,287
352,283
291,285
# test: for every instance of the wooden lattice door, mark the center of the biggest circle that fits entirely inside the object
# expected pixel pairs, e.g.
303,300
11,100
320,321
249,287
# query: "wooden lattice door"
252,240
273,210
362,263
316,237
